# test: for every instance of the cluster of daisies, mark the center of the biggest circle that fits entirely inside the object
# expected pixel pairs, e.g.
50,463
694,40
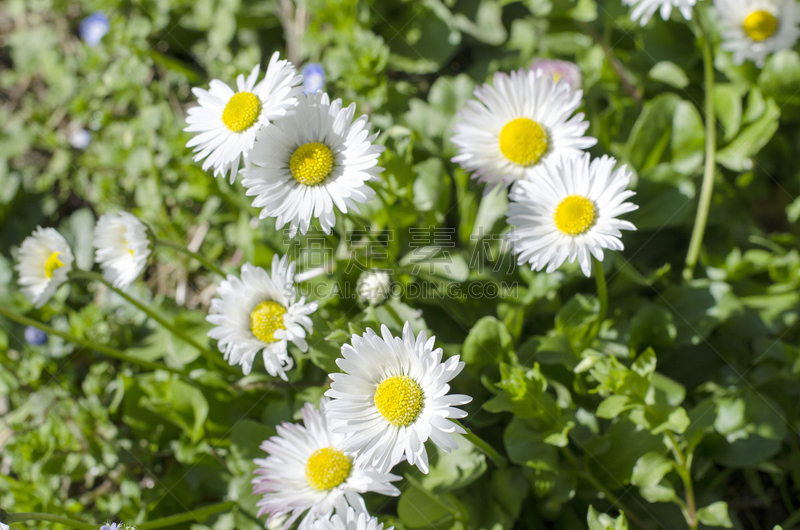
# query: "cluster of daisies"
750,29
302,153
122,248
523,131
390,398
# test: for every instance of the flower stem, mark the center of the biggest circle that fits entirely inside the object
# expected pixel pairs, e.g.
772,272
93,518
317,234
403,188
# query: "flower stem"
685,472
194,255
196,515
111,352
602,295
498,459
711,148
211,356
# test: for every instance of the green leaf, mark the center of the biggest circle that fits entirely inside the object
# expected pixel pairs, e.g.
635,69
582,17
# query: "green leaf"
436,263
652,326
457,469
698,308
181,403
487,343
688,138
525,447
650,469
246,438
715,514
747,441
659,493
421,508
738,154
669,73
645,363
728,105
613,406
602,521
431,119
432,186
576,317
780,75
650,135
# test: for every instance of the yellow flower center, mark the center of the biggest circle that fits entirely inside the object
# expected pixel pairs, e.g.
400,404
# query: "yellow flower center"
52,264
400,400
575,215
327,468
760,25
241,112
266,319
557,76
311,163
523,141
128,246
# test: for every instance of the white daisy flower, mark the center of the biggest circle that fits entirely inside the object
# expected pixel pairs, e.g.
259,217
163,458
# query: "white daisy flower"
45,259
260,313
228,121
643,10
307,470
374,287
569,210
122,247
392,397
520,121
346,518
311,162
753,29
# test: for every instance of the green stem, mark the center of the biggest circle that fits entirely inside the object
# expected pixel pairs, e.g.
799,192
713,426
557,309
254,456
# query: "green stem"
111,352
196,515
685,472
194,255
71,523
211,356
711,148
602,295
498,459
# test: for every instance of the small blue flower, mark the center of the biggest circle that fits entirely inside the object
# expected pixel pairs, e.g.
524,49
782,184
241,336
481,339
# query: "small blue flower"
313,78
35,336
111,526
93,28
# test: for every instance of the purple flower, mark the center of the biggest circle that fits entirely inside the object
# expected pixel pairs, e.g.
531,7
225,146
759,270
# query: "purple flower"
35,336
558,69
313,78
111,526
93,28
